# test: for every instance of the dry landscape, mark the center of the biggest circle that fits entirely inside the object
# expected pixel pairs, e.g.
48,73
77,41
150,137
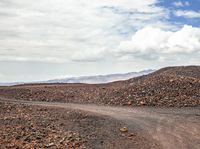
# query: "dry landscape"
168,87
159,110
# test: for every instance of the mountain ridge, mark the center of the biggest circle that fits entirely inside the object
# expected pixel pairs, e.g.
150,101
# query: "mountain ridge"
95,79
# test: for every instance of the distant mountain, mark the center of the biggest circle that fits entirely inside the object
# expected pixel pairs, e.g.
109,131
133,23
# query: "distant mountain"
11,84
89,79
100,78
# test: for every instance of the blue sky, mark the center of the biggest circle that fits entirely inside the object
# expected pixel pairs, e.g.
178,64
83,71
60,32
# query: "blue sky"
186,5
59,38
182,5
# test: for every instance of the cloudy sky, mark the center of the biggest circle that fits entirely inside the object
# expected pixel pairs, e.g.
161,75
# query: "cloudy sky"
46,39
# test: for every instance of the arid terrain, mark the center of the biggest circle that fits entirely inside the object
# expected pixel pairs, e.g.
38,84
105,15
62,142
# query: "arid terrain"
168,87
29,126
159,110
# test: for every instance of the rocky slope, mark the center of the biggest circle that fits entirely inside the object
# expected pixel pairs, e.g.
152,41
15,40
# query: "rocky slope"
171,86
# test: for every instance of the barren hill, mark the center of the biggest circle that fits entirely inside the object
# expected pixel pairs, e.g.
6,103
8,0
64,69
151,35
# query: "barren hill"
171,86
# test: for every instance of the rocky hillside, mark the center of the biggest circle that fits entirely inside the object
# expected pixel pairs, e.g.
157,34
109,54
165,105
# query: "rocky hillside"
171,86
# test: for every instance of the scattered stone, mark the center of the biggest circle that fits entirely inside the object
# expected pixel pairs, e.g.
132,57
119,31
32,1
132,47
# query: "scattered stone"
22,127
124,129
131,136
50,145
142,103
129,103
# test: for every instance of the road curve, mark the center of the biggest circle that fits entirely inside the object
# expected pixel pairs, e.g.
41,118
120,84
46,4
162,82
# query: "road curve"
173,128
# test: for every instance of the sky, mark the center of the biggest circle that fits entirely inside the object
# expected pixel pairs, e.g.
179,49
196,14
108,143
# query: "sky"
48,39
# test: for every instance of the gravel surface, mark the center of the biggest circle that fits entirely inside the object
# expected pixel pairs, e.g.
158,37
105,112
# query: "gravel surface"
96,126
24,126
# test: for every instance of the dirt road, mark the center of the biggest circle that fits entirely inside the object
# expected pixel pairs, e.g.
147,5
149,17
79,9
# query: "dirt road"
172,127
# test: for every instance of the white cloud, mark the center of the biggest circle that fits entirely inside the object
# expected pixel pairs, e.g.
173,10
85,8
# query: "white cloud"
15,58
72,33
62,29
178,4
187,14
90,55
181,4
1,75
157,44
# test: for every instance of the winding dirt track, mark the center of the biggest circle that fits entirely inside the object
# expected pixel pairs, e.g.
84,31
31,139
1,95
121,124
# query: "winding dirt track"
173,128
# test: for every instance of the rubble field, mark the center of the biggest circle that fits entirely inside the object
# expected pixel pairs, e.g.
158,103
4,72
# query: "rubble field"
169,87
30,127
